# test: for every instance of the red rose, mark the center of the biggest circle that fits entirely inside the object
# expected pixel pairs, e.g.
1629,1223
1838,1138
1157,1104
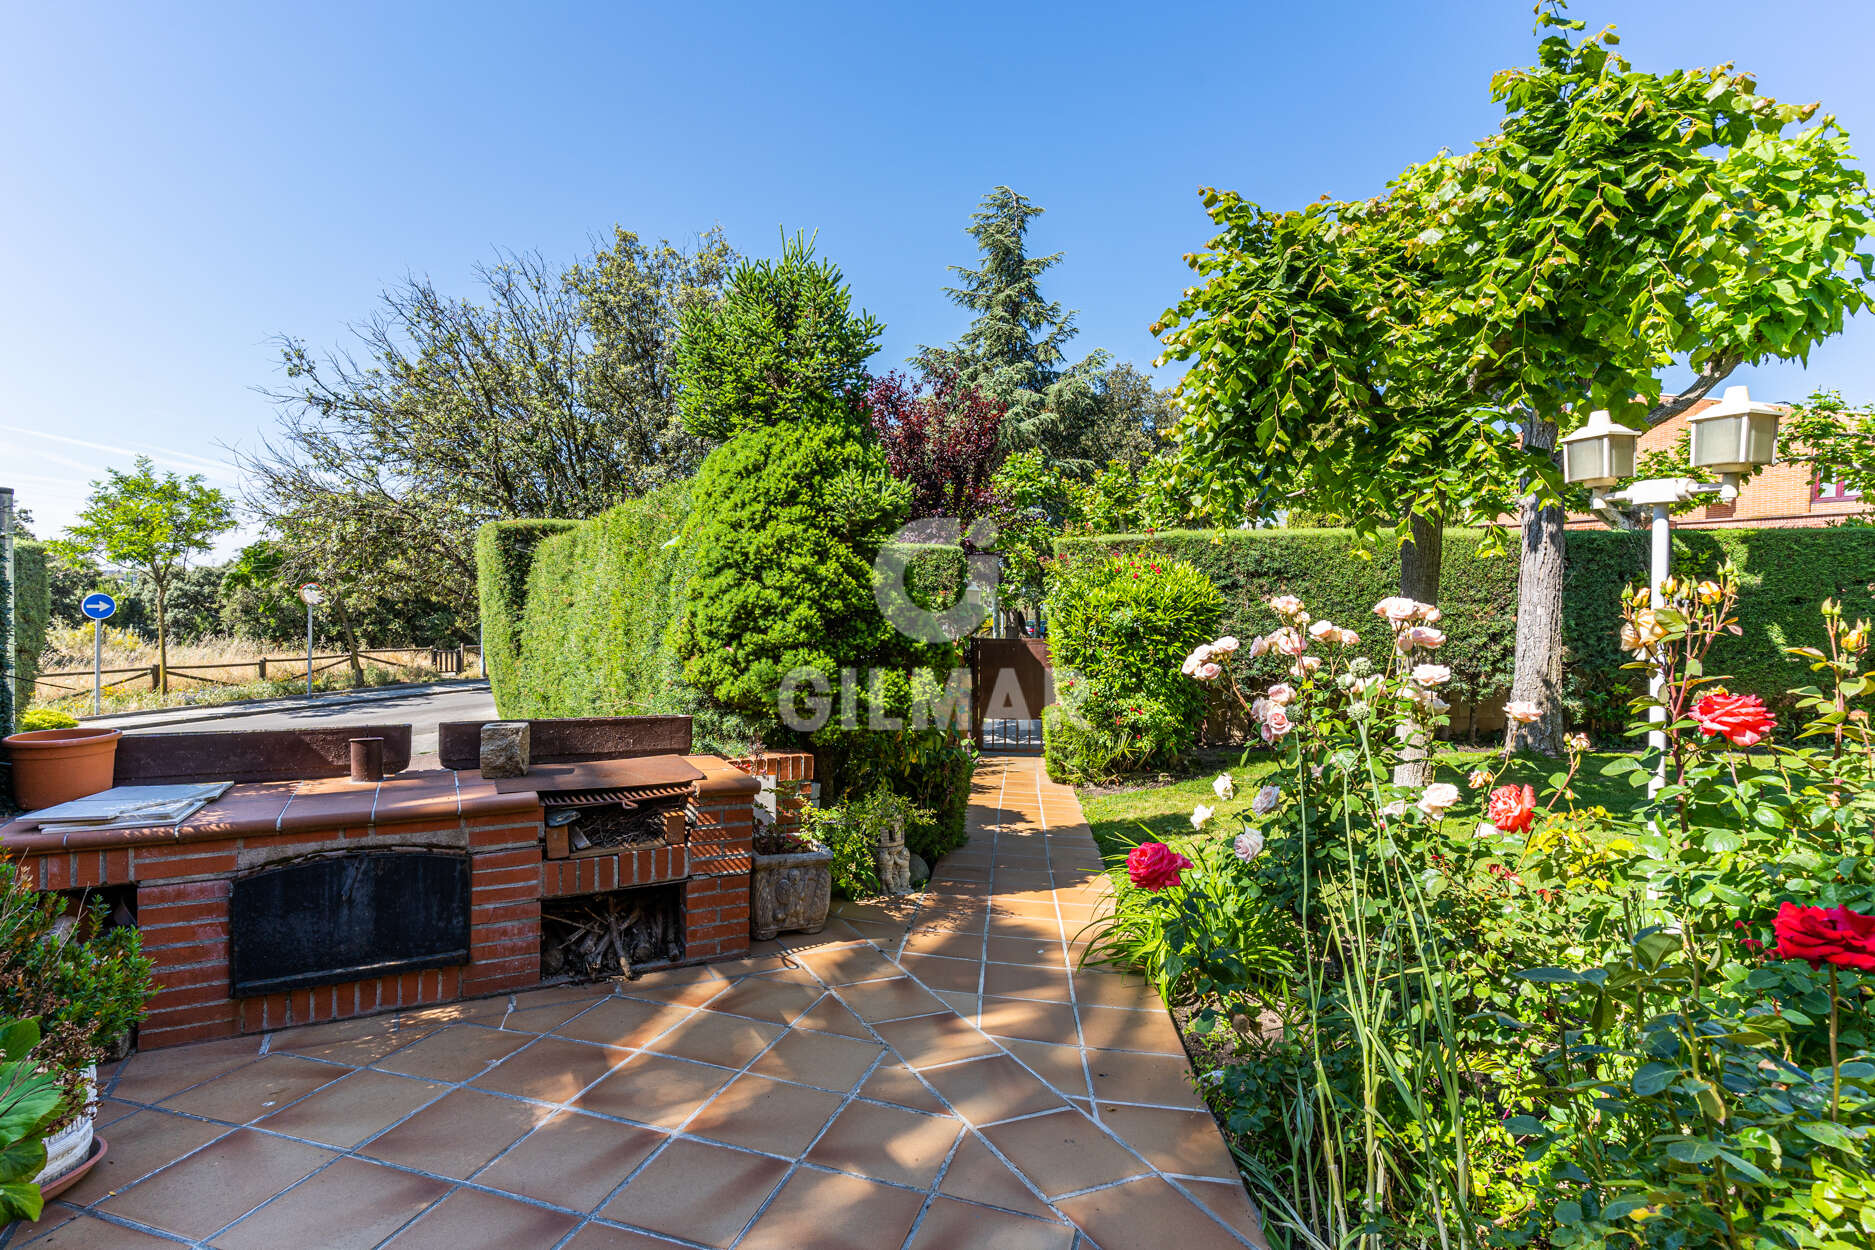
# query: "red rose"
1742,718
1154,865
1510,809
1826,935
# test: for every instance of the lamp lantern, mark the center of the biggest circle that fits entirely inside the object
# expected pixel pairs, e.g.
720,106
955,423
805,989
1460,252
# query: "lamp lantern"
1601,453
1735,435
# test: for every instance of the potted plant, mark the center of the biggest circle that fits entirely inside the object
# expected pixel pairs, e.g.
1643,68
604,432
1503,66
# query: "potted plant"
83,980
30,1100
55,759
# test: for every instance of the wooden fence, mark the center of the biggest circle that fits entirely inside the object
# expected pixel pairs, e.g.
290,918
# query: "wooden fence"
417,661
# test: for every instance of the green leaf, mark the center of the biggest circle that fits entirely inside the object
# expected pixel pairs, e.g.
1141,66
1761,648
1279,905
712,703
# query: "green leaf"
1653,1078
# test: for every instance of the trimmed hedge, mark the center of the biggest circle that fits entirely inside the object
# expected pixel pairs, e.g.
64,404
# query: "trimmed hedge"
504,550
32,616
1784,574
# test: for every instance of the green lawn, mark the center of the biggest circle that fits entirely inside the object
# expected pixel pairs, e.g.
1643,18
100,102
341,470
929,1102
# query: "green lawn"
1164,807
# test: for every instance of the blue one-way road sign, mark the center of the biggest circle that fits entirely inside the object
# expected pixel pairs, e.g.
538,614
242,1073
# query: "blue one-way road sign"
98,605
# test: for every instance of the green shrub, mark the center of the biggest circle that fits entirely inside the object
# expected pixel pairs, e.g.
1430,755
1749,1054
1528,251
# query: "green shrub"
850,830
32,607
1118,630
787,523
1783,574
504,550
35,718
930,766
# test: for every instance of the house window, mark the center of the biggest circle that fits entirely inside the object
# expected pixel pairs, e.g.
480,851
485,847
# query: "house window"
1837,491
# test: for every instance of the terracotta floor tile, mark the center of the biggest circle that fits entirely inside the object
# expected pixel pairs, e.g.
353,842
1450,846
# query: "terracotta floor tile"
832,1212
139,1145
761,1114
895,1084
924,1041
887,1144
347,1111
256,1089
938,973
945,943
896,999
1093,987
489,1011
1014,981
551,1069
835,1063
455,1054
1228,1201
622,1022
600,1237
977,1175
965,1005
1163,1080
986,1090
547,1017
216,1185
467,1218
1060,1066
1026,950
1032,1020
353,1205
1145,1212
697,1191
1116,1028
845,964
1183,1142
655,1090
728,1041
84,1232
457,1134
774,999
953,1225
687,993
584,994
1063,1153
830,1016
572,1160
348,1041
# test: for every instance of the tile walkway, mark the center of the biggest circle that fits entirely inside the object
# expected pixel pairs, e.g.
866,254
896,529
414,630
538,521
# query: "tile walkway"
928,1073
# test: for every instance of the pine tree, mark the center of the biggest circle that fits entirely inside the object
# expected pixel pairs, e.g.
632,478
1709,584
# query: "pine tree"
1014,350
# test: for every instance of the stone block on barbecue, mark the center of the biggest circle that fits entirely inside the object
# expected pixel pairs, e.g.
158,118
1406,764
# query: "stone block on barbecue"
504,749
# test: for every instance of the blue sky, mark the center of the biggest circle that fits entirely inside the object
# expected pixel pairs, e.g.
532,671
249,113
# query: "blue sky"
181,183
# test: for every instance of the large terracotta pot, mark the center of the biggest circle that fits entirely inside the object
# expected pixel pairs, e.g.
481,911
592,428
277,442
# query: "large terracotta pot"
790,893
53,766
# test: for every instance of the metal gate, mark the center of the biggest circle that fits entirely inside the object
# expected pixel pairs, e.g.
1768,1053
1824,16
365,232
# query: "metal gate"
1011,681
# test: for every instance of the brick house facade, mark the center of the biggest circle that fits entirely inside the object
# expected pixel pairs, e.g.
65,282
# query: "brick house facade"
1779,496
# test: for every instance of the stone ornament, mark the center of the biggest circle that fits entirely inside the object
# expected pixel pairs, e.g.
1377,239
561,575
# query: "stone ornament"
504,749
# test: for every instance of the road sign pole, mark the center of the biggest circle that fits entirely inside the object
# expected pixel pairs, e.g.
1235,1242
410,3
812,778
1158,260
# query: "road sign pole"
309,650
97,665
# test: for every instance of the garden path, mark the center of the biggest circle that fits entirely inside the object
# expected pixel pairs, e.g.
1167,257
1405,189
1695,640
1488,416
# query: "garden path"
928,1073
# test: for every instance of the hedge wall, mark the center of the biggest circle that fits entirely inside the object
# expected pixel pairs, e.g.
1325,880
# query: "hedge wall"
32,609
1784,574
504,550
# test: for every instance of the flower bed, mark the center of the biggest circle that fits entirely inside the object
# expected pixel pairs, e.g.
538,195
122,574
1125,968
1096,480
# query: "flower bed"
1555,1026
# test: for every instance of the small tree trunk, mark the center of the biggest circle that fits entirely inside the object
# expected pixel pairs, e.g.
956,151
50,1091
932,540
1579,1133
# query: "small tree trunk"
1538,676
351,638
162,637
1420,559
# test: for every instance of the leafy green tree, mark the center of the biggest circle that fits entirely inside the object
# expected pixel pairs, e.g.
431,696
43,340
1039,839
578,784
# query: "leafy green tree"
1417,356
1835,437
1015,348
151,525
549,394
782,345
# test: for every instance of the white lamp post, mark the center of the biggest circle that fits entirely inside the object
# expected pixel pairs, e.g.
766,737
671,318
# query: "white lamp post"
1731,438
312,595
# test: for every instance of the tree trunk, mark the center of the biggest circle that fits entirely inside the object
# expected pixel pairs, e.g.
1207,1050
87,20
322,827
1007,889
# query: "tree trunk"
1538,677
162,638
351,638
1420,559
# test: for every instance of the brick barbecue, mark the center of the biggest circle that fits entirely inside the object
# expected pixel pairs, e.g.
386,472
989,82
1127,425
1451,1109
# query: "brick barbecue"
293,804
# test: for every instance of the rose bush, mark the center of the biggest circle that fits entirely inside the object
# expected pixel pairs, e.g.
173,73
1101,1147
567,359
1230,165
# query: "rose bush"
1557,1025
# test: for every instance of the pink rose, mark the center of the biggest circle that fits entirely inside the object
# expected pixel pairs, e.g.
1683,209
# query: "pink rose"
1431,674
1419,636
1396,608
1288,642
1206,671
1282,692
1286,605
1276,725
1154,865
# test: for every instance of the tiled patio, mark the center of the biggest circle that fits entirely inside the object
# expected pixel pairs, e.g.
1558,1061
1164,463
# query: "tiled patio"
927,1075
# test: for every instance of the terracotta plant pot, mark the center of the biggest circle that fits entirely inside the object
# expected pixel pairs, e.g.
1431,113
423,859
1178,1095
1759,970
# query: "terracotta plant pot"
790,893
53,766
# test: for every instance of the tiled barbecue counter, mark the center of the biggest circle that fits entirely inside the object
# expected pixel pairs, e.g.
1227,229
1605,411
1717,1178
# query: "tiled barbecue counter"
180,882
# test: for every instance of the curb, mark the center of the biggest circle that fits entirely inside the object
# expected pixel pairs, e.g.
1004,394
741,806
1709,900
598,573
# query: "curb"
154,717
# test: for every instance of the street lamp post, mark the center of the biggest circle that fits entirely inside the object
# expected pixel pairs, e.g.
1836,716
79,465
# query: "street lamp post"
1731,438
312,596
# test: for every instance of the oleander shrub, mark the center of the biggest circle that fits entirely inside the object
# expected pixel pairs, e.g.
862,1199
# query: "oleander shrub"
1117,626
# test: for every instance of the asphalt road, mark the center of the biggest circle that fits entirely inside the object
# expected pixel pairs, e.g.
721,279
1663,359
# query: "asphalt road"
422,709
